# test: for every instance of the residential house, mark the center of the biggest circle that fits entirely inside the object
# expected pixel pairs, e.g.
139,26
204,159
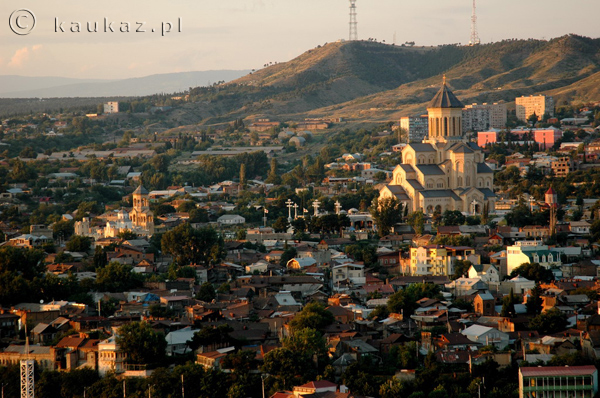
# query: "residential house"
486,336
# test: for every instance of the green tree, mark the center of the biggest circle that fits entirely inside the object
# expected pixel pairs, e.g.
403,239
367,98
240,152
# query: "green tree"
206,292
386,213
281,224
551,321
79,243
417,221
508,305
405,301
141,343
243,175
194,246
287,255
453,217
534,300
313,316
461,268
117,277
533,272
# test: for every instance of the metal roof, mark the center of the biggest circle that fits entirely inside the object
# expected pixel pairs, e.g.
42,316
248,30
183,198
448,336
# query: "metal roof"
421,147
558,371
429,169
445,99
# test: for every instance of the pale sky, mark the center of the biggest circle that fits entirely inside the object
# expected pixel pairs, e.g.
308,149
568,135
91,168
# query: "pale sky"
246,34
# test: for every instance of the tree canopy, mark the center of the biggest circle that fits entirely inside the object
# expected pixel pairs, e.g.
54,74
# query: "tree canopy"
193,246
141,343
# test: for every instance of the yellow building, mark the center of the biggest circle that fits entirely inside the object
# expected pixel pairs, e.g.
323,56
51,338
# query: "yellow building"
538,104
445,171
438,260
141,216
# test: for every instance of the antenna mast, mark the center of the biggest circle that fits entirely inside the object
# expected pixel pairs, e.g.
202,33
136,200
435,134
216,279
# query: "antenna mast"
353,24
474,36
27,366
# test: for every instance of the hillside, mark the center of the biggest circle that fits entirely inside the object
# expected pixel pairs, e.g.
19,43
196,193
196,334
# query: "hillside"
373,81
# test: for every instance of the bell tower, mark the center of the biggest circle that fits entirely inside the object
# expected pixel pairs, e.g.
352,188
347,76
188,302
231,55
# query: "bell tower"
445,115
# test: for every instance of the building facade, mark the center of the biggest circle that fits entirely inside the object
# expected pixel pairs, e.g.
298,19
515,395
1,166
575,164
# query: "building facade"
416,127
531,252
538,104
111,107
437,260
480,117
445,171
558,382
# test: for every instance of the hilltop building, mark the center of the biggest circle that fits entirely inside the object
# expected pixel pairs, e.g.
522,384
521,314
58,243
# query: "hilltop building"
445,171
539,104
111,107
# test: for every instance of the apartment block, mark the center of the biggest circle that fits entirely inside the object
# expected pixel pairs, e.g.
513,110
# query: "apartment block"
417,127
558,381
538,104
480,117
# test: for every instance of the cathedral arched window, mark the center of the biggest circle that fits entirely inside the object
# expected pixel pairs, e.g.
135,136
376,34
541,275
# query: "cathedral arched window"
454,126
468,181
445,126
460,181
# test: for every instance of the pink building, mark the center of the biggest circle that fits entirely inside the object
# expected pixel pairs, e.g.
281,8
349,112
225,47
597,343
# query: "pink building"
546,138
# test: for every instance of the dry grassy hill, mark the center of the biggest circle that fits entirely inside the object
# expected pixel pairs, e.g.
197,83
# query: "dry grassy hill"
373,81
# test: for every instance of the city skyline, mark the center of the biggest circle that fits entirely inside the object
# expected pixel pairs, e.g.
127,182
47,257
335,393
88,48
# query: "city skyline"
240,34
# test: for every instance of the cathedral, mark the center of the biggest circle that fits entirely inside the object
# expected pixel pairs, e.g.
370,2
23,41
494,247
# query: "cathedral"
445,171
139,220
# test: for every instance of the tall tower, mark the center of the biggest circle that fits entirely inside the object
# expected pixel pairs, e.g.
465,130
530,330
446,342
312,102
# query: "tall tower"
445,115
27,370
353,24
474,35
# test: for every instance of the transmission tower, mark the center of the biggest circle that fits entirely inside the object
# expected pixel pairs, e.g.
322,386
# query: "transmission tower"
474,36
353,23
27,365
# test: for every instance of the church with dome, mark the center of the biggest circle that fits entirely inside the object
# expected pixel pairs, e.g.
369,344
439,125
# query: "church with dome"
445,171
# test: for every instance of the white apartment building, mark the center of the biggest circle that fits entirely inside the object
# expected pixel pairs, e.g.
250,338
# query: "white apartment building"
417,127
481,117
111,107
539,104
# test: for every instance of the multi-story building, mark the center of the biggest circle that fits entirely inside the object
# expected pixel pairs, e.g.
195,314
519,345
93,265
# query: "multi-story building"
558,381
110,357
531,251
539,104
478,117
111,107
545,138
563,166
416,127
436,259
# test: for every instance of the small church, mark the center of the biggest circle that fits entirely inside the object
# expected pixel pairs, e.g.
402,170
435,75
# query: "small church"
445,171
